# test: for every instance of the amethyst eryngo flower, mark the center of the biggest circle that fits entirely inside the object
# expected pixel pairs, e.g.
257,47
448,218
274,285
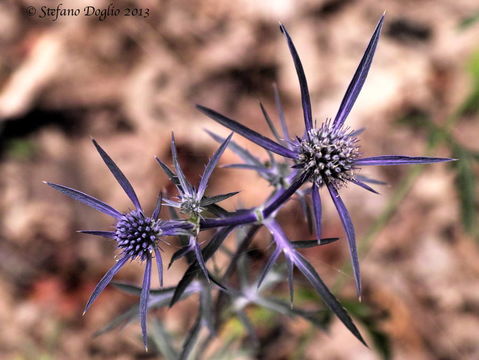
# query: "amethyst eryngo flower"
192,202
137,235
326,156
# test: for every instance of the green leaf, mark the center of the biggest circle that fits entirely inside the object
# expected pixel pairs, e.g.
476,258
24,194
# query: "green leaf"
469,21
466,187
163,340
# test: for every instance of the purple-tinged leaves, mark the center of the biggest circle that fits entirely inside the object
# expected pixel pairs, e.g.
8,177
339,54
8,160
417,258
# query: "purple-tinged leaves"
158,298
247,133
238,150
270,123
105,280
145,292
384,160
329,299
304,244
210,167
369,180
359,77
279,109
305,100
156,212
243,217
179,173
119,176
207,252
364,186
159,265
179,254
105,234
272,259
349,230
290,265
171,175
216,198
199,258
284,194
317,211
87,200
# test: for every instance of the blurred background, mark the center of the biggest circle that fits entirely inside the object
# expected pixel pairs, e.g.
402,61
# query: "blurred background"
129,81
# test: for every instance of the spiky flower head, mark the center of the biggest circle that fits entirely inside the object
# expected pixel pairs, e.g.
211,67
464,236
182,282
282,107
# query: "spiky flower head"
137,236
328,154
191,201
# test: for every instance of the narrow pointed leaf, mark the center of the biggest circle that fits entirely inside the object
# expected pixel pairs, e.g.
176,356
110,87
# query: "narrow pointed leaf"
136,290
159,265
238,150
283,308
199,260
307,212
105,280
272,259
290,265
270,123
156,212
238,218
206,307
207,252
317,211
247,133
87,200
171,175
369,180
163,340
359,78
384,160
364,186
210,167
191,339
217,198
349,230
106,234
304,244
179,254
303,84
119,176
158,298
284,194
329,299
187,188
145,292
279,109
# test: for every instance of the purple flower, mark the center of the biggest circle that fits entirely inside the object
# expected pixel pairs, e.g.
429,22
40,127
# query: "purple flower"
326,156
137,235
192,202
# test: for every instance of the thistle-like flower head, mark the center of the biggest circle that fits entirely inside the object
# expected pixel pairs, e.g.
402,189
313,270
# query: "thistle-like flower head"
327,156
191,201
137,236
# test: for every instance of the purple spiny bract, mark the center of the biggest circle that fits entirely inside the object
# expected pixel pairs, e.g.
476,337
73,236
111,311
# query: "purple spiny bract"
329,154
137,235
